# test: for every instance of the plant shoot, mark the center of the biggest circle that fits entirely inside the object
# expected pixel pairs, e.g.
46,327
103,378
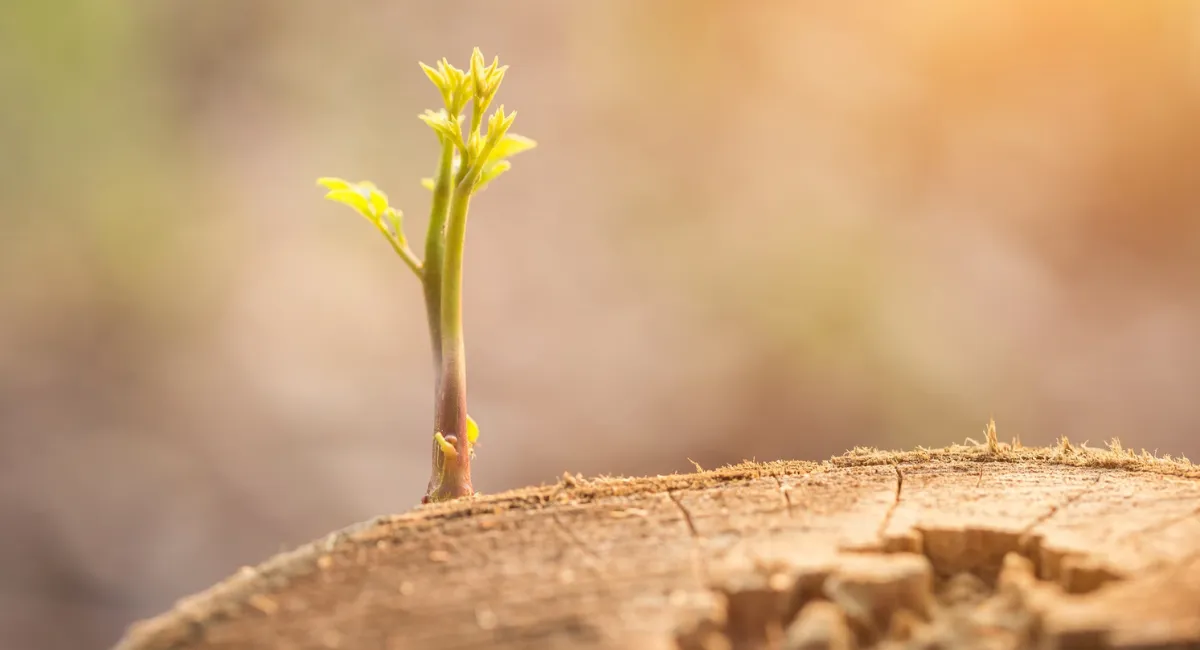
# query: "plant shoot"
471,156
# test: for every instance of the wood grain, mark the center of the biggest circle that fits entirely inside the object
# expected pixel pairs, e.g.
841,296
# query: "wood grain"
1007,548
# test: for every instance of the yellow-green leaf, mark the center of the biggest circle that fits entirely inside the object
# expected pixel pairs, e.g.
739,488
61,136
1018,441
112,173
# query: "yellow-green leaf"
333,183
428,183
393,217
496,75
376,199
363,196
447,448
491,171
446,127
435,76
354,199
472,431
510,145
478,72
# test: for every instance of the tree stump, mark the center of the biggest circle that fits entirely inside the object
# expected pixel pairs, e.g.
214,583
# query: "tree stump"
981,547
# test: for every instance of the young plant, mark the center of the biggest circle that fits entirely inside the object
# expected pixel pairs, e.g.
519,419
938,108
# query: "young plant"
467,163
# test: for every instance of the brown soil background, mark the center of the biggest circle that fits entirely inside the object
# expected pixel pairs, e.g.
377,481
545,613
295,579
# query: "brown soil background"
988,546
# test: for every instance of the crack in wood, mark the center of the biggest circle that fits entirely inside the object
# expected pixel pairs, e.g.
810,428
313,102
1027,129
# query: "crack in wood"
1190,498
887,518
591,560
1054,509
1165,523
787,496
700,561
687,515
593,557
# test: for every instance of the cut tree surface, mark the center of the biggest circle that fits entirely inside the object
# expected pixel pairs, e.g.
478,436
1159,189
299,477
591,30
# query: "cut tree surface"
960,547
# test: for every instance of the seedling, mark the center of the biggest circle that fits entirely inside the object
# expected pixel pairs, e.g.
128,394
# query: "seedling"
468,162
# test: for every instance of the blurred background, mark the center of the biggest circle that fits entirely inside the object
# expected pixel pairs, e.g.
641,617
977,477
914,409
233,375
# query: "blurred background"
752,230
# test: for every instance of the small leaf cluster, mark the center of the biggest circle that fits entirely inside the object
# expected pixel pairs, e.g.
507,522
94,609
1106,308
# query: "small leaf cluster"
480,156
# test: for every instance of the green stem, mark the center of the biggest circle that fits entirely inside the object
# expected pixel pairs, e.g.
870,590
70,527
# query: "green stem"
409,257
435,248
477,111
453,473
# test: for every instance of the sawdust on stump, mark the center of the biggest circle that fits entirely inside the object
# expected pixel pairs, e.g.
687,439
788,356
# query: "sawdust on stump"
983,547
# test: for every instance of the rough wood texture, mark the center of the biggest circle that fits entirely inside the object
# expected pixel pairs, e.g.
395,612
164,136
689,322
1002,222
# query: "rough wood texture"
961,547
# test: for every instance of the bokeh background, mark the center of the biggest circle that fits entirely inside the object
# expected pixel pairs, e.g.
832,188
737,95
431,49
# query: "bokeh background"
752,230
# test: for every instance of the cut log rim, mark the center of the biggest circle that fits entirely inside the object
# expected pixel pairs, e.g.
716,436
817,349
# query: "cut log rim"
234,594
